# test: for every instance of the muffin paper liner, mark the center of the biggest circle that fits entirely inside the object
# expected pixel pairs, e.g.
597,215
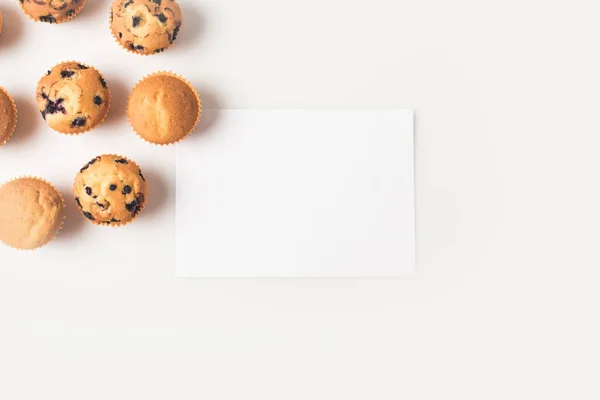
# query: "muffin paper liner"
14,106
119,224
107,110
78,10
62,223
110,20
181,78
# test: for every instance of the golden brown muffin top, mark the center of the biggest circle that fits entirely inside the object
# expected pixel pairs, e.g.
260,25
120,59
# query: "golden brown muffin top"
52,11
111,190
8,116
31,213
73,98
163,109
145,26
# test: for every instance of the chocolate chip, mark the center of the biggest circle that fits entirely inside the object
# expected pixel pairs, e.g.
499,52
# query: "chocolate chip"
113,187
121,161
97,100
142,176
102,81
89,216
102,206
175,33
81,66
159,50
52,107
159,2
127,4
162,18
66,74
131,207
136,21
88,190
78,202
127,189
120,35
79,122
114,220
70,13
48,18
49,72
89,164
135,47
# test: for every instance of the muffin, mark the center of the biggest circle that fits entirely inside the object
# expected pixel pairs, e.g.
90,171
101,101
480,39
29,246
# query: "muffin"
31,213
163,108
145,26
0,22
111,190
73,98
52,11
8,116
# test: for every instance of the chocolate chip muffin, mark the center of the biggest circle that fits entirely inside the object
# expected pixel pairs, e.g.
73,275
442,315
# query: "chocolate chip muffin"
145,26
31,213
111,190
8,116
52,11
0,22
73,98
163,108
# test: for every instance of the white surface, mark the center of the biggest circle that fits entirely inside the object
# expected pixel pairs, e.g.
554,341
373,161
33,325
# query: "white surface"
297,194
505,301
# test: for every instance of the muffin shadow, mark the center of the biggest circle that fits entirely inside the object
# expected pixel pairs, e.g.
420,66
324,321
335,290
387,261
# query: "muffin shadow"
159,192
74,221
28,120
94,7
119,94
12,26
190,31
210,114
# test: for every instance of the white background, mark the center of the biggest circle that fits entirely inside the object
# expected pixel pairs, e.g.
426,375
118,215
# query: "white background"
506,300
297,194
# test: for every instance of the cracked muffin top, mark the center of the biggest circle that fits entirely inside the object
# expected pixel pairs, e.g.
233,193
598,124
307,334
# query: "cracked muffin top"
52,11
110,190
145,26
31,213
8,116
163,109
73,98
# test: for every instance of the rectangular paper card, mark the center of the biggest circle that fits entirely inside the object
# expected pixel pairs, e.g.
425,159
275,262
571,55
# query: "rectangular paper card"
297,194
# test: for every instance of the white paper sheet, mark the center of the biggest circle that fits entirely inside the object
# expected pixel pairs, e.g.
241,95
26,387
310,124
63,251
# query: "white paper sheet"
297,194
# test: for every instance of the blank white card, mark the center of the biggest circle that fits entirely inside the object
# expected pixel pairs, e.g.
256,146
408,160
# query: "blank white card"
297,194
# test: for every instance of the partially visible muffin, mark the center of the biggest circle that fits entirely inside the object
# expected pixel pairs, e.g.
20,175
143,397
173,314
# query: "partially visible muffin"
145,26
31,213
0,22
164,108
73,98
52,11
8,116
111,190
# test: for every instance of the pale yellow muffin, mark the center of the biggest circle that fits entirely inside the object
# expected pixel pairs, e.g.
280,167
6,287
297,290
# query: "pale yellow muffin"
8,116
145,26
31,213
111,190
163,108
52,11
73,98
